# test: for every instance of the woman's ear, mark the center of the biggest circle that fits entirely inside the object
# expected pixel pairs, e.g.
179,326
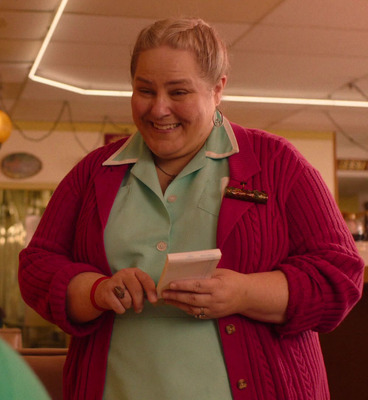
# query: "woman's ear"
218,89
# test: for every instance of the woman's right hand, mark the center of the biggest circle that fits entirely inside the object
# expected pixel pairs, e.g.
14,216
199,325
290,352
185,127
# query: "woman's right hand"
133,284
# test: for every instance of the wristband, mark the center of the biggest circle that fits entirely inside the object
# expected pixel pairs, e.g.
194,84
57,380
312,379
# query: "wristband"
92,293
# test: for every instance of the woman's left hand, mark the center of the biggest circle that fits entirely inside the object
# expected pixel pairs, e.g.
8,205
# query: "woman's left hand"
221,295
262,296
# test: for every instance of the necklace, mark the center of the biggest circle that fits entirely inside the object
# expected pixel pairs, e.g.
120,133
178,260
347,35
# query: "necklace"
172,176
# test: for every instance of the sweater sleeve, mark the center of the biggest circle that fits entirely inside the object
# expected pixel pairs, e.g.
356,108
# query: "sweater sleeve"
324,269
48,264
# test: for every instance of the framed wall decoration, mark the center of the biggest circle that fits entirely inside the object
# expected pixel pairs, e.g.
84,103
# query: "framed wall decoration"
20,165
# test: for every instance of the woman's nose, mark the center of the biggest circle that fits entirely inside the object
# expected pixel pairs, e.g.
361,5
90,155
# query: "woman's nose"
160,106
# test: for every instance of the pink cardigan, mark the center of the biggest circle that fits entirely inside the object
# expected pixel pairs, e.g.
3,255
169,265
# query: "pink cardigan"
299,231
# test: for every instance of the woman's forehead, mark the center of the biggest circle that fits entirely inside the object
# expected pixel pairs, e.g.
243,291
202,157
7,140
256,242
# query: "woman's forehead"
172,65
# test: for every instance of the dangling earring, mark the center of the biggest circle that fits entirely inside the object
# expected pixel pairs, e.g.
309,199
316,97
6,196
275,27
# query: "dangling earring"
218,118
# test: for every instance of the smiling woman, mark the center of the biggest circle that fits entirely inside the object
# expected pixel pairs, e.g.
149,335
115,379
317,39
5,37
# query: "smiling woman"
173,106
190,180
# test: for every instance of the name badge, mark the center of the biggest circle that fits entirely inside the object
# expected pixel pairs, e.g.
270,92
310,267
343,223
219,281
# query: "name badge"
253,196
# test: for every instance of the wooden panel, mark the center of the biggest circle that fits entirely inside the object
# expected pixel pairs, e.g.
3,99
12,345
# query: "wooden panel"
346,354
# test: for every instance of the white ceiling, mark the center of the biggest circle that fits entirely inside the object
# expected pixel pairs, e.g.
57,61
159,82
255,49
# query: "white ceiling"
282,48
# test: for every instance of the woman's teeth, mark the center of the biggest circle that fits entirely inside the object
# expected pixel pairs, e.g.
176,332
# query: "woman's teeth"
165,127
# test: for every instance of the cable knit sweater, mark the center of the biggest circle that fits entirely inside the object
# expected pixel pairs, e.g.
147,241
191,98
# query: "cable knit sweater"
300,231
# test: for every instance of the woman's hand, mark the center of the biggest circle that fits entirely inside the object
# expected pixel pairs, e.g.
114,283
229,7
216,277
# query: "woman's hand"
216,297
261,296
134,286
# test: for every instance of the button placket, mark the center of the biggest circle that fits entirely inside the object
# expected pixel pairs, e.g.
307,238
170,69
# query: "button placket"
161,246
172,198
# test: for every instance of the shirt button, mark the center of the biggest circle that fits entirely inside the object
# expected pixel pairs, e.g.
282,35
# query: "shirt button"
161,246
172,198
230,329
242,384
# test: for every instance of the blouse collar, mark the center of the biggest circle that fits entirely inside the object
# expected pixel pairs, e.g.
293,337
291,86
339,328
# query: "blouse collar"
221,143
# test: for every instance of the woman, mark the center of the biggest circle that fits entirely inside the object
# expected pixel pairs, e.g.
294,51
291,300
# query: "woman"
190,180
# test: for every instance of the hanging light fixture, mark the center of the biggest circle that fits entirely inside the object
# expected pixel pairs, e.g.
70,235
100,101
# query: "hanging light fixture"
5,127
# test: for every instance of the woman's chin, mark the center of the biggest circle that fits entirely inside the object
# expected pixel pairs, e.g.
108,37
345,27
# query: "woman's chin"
166,150
166,155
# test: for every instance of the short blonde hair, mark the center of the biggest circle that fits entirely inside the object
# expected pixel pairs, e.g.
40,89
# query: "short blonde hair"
191,34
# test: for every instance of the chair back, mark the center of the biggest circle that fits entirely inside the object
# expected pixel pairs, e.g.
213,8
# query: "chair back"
48,364
13,336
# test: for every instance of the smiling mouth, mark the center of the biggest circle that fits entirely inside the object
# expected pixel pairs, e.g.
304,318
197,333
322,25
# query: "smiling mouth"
165,127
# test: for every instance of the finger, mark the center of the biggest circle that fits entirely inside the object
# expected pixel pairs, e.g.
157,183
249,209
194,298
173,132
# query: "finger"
190,285
119,292
137,285
123,296
117,305
110,301
201,314
148,286
192,299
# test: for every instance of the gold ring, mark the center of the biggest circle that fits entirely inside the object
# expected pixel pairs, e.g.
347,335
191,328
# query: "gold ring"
119,292
201,315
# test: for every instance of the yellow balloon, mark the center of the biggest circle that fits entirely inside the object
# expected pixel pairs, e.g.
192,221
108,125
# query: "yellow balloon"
5,126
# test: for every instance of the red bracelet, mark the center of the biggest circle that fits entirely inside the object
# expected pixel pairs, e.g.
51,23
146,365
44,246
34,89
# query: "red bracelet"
92,293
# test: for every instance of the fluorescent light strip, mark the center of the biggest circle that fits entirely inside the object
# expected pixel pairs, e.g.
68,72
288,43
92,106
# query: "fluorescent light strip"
297,101
116,93
87,92
47,39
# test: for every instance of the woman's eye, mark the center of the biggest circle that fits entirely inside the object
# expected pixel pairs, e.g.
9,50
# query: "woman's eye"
145,91
179,93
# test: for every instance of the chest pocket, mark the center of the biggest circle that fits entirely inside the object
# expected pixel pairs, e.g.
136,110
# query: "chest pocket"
211,197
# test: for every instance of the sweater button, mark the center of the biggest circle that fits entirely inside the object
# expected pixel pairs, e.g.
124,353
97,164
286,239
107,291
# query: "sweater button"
230,329
242,384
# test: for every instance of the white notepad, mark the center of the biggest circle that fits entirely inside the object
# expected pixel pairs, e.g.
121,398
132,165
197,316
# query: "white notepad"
188,265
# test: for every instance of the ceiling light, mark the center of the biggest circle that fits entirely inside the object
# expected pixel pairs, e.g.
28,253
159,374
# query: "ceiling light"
297,101
48,37
116,93
76,89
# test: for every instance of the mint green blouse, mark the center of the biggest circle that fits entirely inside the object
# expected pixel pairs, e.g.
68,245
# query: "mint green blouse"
163,353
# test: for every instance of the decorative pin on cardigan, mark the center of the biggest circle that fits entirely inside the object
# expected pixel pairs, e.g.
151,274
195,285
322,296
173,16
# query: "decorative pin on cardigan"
253,196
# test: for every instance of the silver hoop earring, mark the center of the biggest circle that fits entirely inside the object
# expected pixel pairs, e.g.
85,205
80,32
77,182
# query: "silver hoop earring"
218,119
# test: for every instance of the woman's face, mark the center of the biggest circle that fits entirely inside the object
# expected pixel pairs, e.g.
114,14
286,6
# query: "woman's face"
172,104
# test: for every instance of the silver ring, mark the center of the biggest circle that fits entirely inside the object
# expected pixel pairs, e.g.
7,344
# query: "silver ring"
119,292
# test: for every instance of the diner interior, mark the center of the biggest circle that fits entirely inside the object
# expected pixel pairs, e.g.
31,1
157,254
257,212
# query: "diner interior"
299,69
